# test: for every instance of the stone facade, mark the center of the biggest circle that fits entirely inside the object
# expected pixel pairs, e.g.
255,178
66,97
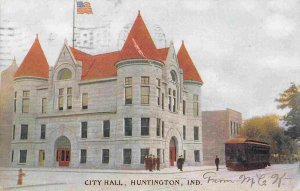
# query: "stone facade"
6,112
218,127
106,102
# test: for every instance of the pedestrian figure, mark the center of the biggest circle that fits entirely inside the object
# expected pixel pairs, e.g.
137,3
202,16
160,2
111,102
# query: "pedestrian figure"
153,162
150,163
180,162
158,163
146,162
217,161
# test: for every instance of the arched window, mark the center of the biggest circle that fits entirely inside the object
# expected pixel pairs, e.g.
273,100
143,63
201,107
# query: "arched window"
173,76
64,74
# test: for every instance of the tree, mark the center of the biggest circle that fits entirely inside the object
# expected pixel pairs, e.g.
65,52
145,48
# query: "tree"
266,128
290,99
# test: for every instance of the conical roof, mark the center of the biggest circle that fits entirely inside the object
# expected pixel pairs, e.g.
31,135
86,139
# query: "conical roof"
139,44
35,63
185,62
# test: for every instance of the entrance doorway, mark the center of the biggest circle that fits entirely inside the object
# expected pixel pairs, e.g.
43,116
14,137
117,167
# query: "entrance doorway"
63,151
173,150
41,158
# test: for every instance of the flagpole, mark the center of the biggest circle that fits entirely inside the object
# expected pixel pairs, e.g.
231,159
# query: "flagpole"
73,35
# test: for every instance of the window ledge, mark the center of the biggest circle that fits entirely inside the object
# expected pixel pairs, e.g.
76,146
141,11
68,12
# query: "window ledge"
22,163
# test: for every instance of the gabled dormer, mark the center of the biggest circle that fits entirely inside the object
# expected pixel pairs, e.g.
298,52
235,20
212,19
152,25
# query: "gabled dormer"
35,64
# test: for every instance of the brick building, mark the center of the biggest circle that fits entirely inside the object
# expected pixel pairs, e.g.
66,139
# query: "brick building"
107,110
217,128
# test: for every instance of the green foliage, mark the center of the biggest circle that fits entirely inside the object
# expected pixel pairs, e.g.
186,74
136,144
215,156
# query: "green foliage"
266,129
290,99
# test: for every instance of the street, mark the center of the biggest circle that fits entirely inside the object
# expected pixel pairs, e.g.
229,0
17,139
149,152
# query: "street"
277,177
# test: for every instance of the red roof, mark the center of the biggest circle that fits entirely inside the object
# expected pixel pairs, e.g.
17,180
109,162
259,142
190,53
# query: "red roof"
139,44
163,52
35,63
185,62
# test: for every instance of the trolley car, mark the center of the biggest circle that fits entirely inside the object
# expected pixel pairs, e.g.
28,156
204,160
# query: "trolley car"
246,154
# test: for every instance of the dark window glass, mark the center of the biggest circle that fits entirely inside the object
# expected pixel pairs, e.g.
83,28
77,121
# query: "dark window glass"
163,129
12,156
197,155
183,132
128,126
14,132
127,156
84,129
24,132
23,156
105,156
183,107
158,127
162,101
196,133
83,156
144,152
106,128
145,126
85,100
43,131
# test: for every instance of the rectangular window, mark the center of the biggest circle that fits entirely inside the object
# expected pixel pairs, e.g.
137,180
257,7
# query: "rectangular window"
24,132
163,129
158,91
44,105
23,156
25,102
197,155
170,100
163,155
158,153
184,154
15,102
43,131
183,107
196,105
196,133
14,132
12,156
128,90
145,90
83,154
69,98
85,100
162,100
128,126
84,126
126,156
145,126
106,128
158,127
105,156
174,100
145,80
183,132
144,152
145,94
61,99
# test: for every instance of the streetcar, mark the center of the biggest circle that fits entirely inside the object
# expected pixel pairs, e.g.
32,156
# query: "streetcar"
246,154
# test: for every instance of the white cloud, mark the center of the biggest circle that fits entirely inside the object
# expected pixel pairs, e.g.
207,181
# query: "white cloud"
279,26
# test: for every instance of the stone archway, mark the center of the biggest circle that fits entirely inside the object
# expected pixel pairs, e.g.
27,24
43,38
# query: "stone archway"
62,147
173,150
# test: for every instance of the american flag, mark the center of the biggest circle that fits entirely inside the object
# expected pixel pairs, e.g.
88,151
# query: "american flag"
136,46
84,7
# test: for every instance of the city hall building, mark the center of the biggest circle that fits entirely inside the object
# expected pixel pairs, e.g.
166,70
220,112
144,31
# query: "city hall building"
107,110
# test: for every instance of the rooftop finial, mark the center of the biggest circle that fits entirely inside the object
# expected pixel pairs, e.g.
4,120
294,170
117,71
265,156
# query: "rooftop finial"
37,35
139,13
182,42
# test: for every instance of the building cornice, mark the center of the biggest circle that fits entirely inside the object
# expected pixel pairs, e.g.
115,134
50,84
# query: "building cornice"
85,82
73,114
30,78
192,82
138,62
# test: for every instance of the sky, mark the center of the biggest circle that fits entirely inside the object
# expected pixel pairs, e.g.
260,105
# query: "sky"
246,51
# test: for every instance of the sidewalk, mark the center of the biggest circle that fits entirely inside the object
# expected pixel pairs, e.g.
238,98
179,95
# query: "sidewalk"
170,170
